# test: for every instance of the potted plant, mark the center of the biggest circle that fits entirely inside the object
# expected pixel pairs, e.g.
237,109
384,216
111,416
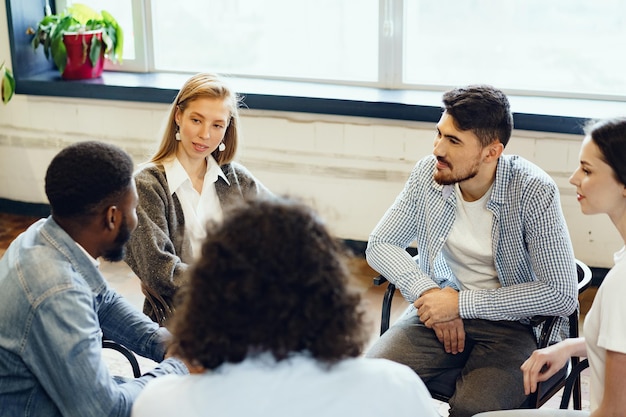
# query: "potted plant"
79,39
7,84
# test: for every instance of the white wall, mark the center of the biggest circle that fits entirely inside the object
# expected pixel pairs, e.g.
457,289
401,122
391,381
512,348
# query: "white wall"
350,169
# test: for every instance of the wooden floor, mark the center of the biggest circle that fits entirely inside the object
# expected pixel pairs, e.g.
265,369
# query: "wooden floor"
126,283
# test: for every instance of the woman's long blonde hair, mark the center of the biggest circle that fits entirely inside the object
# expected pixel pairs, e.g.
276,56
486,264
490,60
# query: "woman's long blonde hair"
202,85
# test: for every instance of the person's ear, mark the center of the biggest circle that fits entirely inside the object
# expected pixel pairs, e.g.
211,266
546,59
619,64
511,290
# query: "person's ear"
494,150
111,217
177,116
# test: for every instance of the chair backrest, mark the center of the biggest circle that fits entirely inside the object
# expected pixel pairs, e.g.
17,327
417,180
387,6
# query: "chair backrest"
128,354
547,389
161,310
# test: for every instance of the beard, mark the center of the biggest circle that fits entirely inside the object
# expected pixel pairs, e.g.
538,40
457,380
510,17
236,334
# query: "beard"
117,252
450,177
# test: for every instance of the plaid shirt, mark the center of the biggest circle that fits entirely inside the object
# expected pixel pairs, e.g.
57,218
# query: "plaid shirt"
532,250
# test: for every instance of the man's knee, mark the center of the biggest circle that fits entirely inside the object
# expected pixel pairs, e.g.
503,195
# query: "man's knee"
496,392
391,345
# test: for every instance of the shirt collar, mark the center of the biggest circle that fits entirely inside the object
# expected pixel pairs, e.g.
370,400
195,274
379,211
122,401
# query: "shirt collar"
214,171
176,174
93,260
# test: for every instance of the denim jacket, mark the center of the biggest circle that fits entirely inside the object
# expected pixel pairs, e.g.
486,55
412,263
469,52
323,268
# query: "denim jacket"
55,308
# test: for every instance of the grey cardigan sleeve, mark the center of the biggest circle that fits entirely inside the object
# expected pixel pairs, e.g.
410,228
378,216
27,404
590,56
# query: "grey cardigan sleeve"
157,249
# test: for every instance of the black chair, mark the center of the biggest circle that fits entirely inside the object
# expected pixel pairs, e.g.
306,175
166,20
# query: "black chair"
546,389
161,310
128,354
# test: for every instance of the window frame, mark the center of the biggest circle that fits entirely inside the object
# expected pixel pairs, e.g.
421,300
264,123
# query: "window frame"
37,76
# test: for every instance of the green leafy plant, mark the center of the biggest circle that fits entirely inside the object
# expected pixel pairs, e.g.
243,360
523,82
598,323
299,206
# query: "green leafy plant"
79,18
7,83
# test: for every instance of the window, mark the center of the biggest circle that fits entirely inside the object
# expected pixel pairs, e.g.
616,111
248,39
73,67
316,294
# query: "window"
564,48
319,39
556,48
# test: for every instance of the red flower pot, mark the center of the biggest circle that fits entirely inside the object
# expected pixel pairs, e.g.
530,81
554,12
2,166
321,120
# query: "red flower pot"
78,45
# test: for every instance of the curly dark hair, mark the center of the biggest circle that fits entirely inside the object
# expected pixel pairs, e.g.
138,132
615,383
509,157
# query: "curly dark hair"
85,175
483,109
610,136
270,278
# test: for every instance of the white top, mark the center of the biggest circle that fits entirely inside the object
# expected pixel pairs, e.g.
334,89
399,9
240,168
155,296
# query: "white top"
298,386
198,208
469,248
604,326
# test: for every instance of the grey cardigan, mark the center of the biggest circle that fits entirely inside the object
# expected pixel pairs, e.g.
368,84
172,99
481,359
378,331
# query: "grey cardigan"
158,251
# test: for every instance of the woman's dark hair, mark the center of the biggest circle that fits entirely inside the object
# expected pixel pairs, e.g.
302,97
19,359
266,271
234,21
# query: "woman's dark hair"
610,137
85,175
483,109
272,279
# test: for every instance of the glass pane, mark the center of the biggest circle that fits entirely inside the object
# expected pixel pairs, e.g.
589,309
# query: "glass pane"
571,46
122,11
322,39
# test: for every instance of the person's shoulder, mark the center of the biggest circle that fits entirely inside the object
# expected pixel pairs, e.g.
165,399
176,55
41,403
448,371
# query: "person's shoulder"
148,171
396,382
46,272
522,166
514,169
158,394
150,176
236,168
382,369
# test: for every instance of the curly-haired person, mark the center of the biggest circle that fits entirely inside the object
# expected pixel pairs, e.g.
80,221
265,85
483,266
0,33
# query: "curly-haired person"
272,329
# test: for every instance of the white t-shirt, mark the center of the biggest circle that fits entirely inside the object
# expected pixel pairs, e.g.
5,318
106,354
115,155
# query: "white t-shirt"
604,325
469,247
298,386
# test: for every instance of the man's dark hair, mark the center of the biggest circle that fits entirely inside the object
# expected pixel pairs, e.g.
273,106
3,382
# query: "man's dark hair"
482,109
270,279
85,175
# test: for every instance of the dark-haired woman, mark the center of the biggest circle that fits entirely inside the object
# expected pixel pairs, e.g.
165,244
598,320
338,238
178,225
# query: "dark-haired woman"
600,182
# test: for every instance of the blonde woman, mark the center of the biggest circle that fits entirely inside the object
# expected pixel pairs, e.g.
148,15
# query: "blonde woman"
189,180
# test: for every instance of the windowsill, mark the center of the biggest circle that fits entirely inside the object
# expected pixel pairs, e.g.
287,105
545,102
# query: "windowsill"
530,113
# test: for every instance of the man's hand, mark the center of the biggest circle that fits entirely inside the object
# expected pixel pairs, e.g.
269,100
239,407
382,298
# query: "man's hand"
451,334
438,306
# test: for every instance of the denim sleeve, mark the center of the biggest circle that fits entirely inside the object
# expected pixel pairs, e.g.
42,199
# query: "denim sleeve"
63,349
121,322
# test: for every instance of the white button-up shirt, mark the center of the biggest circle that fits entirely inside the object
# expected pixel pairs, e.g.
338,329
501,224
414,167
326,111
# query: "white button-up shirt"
198,208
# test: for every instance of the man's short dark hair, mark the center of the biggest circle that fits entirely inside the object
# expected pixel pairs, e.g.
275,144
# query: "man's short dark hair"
84,175
482,109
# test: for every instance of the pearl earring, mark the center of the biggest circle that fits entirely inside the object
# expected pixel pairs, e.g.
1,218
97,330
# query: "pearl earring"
177,136
222,147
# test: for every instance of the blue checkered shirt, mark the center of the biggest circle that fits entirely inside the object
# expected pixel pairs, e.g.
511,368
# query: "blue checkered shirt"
532,250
